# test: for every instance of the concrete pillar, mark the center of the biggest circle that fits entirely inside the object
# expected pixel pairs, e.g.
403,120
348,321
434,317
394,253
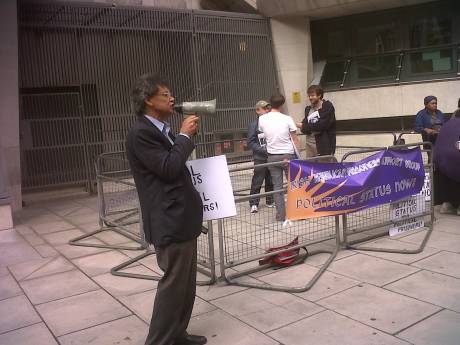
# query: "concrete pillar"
294,61
10,170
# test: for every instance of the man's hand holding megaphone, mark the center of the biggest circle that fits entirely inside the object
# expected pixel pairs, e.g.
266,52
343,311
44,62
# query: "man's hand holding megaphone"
190,125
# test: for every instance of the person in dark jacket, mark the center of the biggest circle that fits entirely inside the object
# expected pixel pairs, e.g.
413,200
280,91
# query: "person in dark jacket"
256,143
429,120
172,210
320,120
447,166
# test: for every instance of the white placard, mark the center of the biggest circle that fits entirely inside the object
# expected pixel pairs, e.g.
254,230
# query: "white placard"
402,226
211,179
426,189
407,208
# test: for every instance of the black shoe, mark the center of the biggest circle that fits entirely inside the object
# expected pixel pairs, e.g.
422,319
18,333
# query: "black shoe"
191,339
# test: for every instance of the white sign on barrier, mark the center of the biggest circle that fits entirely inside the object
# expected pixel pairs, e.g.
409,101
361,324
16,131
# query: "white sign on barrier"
211,179
405,225
426,189
407,208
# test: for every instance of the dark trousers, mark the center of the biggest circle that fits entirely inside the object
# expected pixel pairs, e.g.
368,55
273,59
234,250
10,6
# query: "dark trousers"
261,174
175,294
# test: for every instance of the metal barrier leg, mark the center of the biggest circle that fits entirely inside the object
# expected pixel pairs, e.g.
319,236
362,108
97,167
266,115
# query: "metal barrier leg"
76,241
117,270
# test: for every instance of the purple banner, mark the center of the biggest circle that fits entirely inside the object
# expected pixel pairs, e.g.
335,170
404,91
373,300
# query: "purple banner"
324,189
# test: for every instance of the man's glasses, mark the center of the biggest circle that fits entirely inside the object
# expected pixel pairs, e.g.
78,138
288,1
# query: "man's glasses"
166,94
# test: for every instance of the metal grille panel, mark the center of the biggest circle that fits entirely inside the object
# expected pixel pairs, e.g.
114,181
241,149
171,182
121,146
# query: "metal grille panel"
78,64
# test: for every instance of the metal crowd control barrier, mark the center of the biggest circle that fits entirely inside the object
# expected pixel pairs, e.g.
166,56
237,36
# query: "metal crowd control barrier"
118,203
119,211
373,223
245,238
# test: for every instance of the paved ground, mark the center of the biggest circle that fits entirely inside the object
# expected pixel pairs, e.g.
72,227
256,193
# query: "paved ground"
54,293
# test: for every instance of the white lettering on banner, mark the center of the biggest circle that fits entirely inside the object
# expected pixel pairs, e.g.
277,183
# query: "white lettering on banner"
407,208
406,225
211,179
426,189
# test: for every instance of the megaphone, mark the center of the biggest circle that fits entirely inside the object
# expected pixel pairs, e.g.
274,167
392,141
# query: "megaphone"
200,108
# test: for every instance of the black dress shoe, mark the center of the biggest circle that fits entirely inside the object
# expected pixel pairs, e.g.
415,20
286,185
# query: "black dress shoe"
191,339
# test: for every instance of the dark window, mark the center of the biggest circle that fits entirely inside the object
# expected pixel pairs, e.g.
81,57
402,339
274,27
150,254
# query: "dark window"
376,39
431,61
376,67
333,72
430,31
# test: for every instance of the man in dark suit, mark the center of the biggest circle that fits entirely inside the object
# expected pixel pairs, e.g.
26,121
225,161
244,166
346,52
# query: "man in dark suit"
172,211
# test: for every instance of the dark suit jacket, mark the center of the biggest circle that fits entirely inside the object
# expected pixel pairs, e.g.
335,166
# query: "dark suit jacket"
172,210
325,133
259,152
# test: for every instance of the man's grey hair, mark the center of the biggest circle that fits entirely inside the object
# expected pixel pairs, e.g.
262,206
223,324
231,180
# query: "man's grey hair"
145,87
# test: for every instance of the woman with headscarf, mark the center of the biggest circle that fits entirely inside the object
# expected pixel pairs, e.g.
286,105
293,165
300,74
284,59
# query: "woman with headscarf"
447,165
429,120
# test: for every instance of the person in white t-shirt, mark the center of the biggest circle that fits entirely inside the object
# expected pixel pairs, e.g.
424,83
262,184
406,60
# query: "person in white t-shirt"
280,135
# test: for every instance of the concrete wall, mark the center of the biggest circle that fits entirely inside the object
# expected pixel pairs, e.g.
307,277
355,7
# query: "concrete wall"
9,102
393,100
292,50
177,4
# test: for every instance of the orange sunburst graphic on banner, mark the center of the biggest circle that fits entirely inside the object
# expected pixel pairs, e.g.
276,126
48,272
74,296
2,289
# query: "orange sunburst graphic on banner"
304,202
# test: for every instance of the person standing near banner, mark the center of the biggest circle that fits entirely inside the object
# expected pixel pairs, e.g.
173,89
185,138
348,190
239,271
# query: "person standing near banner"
257,144
280,134
320,121
447,166
429,120
172,210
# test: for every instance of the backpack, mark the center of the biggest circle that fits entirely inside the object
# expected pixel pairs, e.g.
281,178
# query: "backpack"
286,258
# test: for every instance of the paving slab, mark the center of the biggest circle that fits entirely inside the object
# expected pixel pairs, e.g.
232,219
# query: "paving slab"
14,249
123,286
220,289
448,224
250,306
46,251
443,262
294,276
441,328
328,284
16,312
57,286
126,331
62,237
33,239
73,252
9,287
222,329
23,336
86,310
23,229
329,328
40,267
395,244
431,287
142,304
100,263
370,269
51,227
242,303
379,308
438,239
91,217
